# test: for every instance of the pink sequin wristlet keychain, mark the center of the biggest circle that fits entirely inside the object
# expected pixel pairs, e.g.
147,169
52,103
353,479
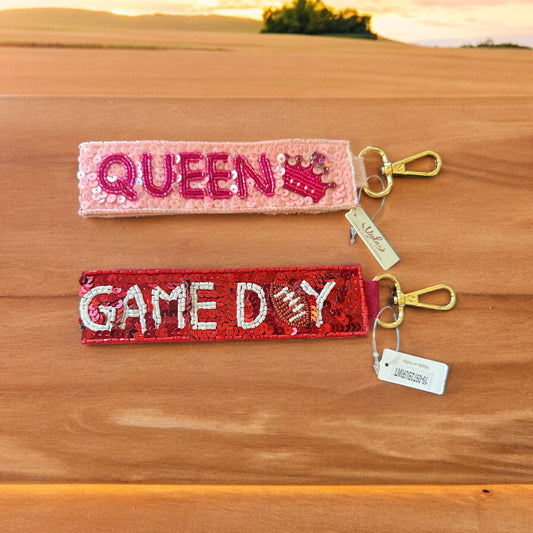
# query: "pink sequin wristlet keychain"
141,178
136,178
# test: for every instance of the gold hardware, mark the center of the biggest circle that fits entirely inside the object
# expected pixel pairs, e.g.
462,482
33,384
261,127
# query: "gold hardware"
399,168
401,299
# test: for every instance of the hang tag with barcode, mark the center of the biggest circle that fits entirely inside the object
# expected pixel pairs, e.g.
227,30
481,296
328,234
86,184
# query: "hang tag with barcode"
374,240
413,371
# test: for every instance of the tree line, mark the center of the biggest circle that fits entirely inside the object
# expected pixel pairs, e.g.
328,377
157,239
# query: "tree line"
313,17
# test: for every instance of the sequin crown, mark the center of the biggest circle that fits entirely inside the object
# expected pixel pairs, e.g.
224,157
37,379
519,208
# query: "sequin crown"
306,180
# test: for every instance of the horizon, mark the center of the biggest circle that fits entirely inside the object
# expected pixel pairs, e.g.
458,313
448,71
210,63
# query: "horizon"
407,21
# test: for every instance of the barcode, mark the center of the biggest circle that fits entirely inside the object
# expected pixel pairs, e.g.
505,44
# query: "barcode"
410,375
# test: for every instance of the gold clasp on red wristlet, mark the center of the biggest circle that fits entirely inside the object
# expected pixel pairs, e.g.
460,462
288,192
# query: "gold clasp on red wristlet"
401,299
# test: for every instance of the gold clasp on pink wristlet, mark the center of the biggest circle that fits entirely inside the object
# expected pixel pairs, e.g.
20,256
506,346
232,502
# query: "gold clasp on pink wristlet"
399,168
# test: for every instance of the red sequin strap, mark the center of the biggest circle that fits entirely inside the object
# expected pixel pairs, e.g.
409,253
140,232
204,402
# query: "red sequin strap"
133,178
201,305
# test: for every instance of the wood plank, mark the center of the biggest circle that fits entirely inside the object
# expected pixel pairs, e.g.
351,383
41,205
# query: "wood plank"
402,509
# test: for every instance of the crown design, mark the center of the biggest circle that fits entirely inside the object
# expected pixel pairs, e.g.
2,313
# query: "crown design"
306,180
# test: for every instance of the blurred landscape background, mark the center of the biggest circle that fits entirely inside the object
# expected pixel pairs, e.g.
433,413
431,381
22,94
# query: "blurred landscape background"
59,51
425,22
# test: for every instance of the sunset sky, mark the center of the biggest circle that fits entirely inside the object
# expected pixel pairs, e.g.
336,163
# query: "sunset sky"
451,22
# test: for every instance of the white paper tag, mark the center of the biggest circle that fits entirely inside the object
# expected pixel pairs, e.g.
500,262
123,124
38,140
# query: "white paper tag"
372,237
413,371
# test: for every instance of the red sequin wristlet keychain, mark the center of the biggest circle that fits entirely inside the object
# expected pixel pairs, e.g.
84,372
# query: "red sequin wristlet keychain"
123,306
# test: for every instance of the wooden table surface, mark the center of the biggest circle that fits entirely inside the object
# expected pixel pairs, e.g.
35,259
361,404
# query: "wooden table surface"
274,435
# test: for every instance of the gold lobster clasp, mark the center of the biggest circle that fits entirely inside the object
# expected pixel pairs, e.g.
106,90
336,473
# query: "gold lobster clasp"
401,299
399,168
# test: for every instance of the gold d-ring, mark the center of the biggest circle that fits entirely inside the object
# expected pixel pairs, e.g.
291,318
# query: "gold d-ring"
401,299
399,168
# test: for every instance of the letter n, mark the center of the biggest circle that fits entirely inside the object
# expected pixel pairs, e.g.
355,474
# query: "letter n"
264,182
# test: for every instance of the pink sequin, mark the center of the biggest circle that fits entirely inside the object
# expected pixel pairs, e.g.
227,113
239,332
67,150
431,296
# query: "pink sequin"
148,181
189,175
120,185
264,183
215,175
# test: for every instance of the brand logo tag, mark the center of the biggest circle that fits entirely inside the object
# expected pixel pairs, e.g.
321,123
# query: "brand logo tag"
372,237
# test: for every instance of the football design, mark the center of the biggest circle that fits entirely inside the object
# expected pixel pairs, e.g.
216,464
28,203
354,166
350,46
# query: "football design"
291,304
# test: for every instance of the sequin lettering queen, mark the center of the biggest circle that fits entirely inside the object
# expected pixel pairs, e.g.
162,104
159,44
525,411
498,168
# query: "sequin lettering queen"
145,177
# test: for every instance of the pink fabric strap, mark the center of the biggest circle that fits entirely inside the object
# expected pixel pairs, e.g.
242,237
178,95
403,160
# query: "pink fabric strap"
134,178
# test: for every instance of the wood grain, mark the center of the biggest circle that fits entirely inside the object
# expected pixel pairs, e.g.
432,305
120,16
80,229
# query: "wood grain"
133,508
